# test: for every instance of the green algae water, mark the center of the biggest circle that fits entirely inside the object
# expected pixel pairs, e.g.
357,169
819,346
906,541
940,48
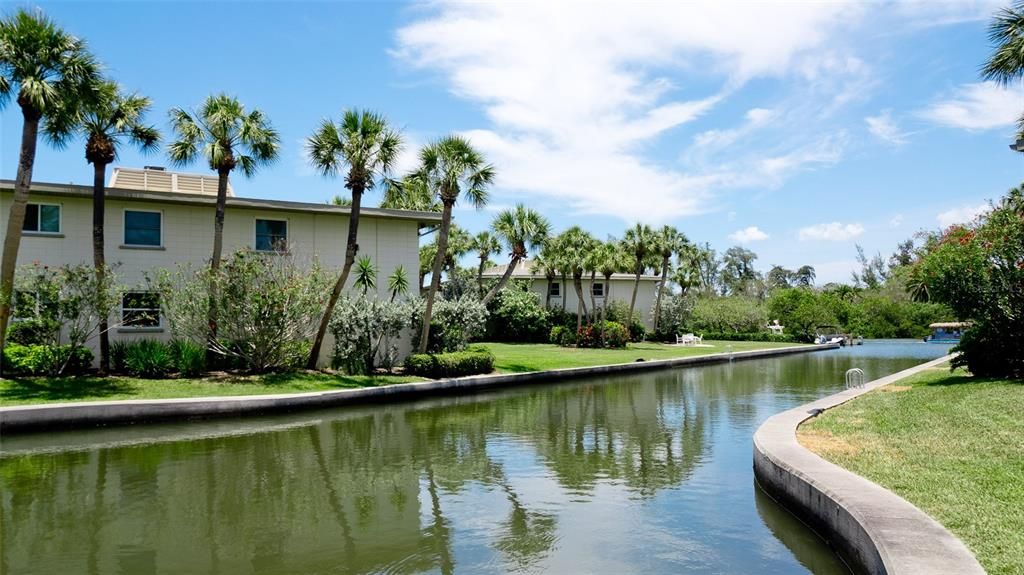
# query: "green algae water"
647,473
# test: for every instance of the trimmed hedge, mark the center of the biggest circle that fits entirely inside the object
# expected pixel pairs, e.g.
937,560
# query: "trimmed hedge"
454,364
755,336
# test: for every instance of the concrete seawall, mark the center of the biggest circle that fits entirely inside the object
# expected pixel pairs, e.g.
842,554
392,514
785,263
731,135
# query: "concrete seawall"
873,528
92,413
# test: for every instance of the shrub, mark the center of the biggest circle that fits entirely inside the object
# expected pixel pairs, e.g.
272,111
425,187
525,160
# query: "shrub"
364,329
676,314
454,324
613,335
189,358
728,314
46,359
516,315
148,358
455,364
752,336
562,335
38,331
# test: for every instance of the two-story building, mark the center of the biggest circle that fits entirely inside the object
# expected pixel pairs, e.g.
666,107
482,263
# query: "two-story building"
160,219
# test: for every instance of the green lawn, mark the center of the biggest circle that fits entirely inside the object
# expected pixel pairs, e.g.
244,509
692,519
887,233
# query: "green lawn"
520,357
950,444
19,391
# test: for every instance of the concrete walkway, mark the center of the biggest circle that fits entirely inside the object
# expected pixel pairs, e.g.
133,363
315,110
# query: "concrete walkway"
872,527
92,413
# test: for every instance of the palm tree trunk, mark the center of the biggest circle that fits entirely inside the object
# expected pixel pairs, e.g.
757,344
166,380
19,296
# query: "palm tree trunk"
593,300
435,280
661,291
350,257
16,220
480,274
98,256
547,296
636,287
503,281
218,248
581,307
564,292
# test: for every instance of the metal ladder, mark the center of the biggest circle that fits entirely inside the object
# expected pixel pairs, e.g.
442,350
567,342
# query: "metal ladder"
854,378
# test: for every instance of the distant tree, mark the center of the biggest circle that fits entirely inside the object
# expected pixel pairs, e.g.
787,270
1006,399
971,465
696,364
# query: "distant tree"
485,244
108,121
575,246
738,271
519,229
801,310
450,168
365,146
640,242
51,71
805,276
872,271
342,201
779,277
904,254
409,193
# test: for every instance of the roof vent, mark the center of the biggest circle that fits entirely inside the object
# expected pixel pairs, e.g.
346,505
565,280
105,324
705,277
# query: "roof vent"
158,179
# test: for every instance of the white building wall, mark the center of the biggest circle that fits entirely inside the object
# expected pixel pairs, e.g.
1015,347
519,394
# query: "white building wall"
188,239
617,289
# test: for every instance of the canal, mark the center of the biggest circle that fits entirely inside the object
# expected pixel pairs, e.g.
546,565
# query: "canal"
647,473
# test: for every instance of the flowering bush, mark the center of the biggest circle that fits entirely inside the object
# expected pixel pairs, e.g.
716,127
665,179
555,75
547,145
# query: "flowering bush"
609,334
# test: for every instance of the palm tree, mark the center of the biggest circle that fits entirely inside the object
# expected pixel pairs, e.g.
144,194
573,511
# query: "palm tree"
364,143
107,122
639,242
427,254
575,246
51,72
669,242
398,282
1006,64
609,260
485,244
805,276
519,229
450,168
543,263
227,137
366,274
409,193
460,243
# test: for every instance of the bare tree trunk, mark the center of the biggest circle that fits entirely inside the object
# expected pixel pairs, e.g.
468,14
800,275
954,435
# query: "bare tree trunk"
593,300
99,193
661,291
503,281
218,247
351,249
15,221
435,280
564,291
547,296
581,307
636,287
480,275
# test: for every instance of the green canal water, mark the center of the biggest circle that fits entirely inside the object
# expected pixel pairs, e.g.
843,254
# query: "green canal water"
642,473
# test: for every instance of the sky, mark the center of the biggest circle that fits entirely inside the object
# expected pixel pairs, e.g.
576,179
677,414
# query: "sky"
796,129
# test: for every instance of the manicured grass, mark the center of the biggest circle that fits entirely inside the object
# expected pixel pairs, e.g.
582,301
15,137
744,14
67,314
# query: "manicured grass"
520,357
20,391
950,444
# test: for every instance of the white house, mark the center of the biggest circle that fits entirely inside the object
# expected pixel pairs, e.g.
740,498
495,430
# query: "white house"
619,288
159,219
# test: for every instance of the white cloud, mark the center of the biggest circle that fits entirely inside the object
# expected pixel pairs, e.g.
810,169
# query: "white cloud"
575,95
896,221
833,231
884,128
961,215
748,235
980,106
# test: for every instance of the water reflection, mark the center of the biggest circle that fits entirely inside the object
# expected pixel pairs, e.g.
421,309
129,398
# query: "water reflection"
642,473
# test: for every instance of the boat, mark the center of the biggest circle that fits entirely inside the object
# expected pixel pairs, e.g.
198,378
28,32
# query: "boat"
946,332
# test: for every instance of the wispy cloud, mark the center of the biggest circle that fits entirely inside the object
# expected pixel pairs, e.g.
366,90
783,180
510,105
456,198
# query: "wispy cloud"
961,215
980,106
748,235
896,221
833,231
884,128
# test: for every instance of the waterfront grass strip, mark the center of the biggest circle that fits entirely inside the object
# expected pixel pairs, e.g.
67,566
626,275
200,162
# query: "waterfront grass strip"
950,444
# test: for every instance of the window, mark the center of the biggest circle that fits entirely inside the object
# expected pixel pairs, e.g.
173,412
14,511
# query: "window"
597,289
271,235
142,228
29,304
42,218
556,289
140,309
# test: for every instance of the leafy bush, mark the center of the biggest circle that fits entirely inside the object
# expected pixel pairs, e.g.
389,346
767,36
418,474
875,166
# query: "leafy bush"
562,335
618,311
38,331
516,315
676,314
801,311
189,358
454,324
46,359
148,358
737,314
752,336
364,330
455,364
613,335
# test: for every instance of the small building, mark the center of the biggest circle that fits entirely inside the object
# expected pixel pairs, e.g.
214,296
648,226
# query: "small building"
160,219
619,288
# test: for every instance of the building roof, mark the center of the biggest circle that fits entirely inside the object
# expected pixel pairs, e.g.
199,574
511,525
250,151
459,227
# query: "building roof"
526,269
157,179
202,199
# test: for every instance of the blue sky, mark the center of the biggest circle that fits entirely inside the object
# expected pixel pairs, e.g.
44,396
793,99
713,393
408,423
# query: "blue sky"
796,129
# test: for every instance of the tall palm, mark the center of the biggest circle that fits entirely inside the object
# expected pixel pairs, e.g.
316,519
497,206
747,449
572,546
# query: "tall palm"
409,193
669,241
485,244
610,260
640,242
364,144
575,245
543,262
1006,64
520,229
50,71
450,168
112,119
805,276
226,137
